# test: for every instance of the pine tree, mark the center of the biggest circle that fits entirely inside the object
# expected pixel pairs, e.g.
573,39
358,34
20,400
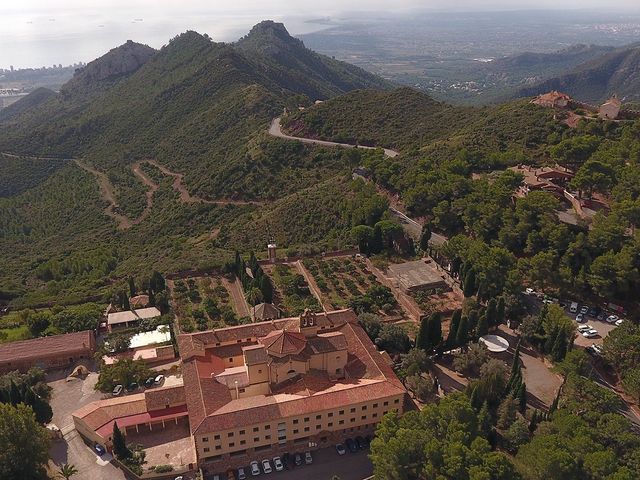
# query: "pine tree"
40,407
119,445
463,332
491,313
500,311
522,397
484,420
425,235
132,287
453,328
559,350
469,288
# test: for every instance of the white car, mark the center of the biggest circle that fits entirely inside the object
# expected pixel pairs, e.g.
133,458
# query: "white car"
584,328
266,466
590,333
580,318
277,463
619,322
529,291
255,469
612,319
307,458
241,474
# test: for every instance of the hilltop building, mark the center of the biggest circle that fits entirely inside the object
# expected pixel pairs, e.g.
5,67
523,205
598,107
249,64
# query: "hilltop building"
610,109
260,389
553,99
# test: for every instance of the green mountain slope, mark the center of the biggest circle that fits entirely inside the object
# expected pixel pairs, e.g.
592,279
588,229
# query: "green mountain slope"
596,80
35,98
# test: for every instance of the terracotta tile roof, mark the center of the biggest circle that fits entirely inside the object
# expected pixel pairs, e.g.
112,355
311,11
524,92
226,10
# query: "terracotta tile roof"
265,311
96,414
158,398
284,342
34,349
211,407
255,354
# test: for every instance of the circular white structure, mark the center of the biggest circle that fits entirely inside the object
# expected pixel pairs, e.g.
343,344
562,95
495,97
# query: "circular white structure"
495,343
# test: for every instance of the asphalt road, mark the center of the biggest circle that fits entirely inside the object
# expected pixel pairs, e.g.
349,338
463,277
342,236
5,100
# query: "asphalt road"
276,131
414,228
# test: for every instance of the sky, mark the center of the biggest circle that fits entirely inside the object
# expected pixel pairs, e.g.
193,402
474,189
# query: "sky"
35,33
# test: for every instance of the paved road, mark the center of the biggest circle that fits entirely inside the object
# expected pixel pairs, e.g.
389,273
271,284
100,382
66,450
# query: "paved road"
276,131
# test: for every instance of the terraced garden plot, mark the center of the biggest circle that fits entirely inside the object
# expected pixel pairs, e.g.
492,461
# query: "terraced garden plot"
202,303
292,294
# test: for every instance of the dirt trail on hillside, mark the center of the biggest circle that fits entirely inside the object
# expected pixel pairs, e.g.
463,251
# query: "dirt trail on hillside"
178,186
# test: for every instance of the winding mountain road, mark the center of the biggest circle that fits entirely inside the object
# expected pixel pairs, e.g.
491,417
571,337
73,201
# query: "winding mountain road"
275,130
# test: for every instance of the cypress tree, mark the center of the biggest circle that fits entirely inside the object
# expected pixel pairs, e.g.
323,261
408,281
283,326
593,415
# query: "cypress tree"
484,419
474,397
472,325
559,350
551,340
125,302
435,330
533,423
119,445
40,407
132,287
463,332
152,298
267,289
453,328
522,397
15,397
483,326
500,311
422,339
492,314
238,264
425,235
469,288
556,402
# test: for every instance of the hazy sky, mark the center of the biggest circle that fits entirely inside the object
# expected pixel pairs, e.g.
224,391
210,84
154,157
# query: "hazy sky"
45,32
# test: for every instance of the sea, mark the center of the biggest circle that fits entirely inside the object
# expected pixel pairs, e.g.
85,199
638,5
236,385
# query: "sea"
37,38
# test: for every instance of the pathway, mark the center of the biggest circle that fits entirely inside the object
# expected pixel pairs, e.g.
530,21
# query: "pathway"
326,306
275,130
239,302
407,303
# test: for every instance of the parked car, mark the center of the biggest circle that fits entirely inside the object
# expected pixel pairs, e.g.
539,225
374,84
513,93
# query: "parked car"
179,478
132,387
351,445
159,379
574,307
584,328
241,474
360,442
266,466
254,468
149,382
590,333
601,316
277,463
619,322
580,318
597,349
100,450
117,390
367,441
286,460
340,449
307,458
584,309
594,311
612,318
297,460
529,291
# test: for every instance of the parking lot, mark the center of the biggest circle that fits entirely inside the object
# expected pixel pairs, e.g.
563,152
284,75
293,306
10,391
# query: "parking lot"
326,464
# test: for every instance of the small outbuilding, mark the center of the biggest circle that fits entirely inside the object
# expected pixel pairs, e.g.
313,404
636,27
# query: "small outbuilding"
419,276
265,311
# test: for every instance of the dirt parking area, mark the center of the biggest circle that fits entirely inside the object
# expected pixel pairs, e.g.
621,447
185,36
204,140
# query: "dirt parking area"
602,327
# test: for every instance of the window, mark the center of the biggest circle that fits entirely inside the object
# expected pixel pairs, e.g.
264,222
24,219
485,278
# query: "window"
259,370
206,449
386,403
295,431
341,412
231,360
364,407
337,357
353,420
306,429
267,437
375,415
242,442
318,417
353,410
239,341
216,437
241,390
256,429
330,414
341,422
375,405
205,439
230,434
232,445
396,401
241,432
218,447
318,427
267,427
295,421
306,419
364,417
330,424
256,439
338,370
